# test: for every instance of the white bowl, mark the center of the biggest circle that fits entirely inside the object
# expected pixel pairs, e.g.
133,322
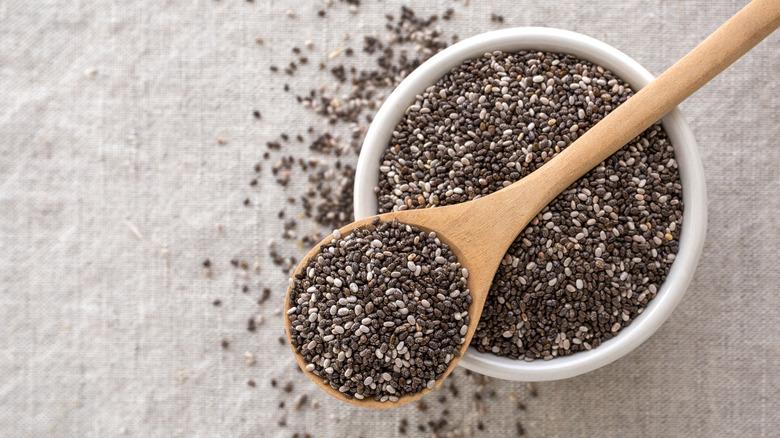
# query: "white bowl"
680,135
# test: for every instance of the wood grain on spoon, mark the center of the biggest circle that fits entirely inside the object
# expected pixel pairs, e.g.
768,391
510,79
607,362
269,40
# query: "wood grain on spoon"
480,231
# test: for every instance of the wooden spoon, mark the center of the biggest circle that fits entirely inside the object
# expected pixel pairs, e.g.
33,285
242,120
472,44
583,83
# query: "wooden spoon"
480,231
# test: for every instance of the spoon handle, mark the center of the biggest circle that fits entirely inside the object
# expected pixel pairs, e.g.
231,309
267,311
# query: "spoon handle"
728,43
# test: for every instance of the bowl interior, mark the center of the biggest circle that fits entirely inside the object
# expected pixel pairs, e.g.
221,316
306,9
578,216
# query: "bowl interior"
686,154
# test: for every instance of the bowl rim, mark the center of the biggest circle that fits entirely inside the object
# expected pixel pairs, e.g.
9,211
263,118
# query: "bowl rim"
686,154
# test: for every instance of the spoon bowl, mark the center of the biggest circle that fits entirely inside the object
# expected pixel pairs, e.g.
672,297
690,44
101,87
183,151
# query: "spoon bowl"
421,221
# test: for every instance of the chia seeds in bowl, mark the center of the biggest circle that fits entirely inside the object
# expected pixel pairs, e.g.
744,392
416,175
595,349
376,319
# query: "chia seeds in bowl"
590,262
596,258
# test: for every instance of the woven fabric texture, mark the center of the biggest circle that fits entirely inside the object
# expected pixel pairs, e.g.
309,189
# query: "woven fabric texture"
115,187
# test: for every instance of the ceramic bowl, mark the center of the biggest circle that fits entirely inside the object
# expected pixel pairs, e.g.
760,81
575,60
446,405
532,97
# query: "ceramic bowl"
686,153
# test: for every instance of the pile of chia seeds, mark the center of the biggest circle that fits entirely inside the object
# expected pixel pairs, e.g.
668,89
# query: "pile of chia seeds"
590,262
380,312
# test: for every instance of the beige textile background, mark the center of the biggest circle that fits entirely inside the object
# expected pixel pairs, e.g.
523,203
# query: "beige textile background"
109,117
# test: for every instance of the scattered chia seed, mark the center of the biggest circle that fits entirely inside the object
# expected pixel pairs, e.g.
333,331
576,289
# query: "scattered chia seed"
251,325
589,263
264,297
380,312
301,401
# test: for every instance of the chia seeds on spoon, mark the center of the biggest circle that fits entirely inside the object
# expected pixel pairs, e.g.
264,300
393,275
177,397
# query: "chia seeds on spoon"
590,262
381,312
